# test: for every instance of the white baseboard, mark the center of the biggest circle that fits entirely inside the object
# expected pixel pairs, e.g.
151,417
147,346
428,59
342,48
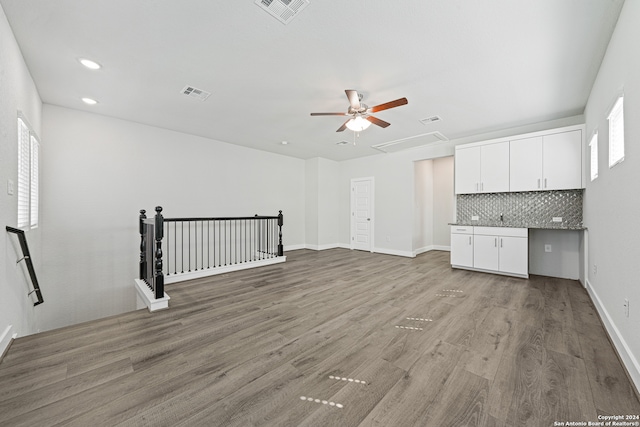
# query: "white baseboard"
147,299
5,339
181,277
385,251
294,247
431,248
628,358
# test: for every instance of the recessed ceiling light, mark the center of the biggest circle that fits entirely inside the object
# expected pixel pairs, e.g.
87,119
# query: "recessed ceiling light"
284,143
89,101
92,65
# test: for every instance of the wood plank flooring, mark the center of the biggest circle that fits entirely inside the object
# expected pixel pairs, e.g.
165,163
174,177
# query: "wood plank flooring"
332,338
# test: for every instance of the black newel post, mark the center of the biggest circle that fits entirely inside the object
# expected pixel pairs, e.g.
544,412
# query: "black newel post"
143,246
280,224
159,276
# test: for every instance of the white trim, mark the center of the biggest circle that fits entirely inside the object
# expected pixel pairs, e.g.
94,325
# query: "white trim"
481,270
295,247
323,247
431,248
146,298
628,359
181,277
523,136
408,254
5,339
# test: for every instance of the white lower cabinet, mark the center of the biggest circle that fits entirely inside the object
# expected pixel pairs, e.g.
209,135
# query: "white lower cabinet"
462,246
502,250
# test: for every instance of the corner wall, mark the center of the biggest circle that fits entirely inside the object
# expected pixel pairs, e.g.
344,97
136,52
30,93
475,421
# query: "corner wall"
611,202
17,93
99,172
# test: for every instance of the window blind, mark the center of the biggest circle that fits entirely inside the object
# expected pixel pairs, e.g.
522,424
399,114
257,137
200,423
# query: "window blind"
616,133
23,173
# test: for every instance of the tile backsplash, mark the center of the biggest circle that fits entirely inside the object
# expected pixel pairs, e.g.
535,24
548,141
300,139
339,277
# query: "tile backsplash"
533,209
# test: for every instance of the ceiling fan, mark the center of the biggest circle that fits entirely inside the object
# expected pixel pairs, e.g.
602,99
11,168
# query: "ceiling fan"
359,118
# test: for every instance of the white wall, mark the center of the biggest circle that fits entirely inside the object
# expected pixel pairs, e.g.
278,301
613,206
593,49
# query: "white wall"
98,172
611,202
328,206
564,259
423,206
17,93
444,198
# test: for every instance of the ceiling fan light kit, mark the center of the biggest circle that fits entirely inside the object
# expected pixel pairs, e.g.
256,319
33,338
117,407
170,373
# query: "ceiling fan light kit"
359,112
358,124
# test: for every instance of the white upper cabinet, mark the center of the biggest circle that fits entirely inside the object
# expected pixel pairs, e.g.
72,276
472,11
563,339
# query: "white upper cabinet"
482,169
548,162
539,161
467,170
526,164
562,161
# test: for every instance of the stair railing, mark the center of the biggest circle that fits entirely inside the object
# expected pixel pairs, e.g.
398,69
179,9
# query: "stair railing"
26,257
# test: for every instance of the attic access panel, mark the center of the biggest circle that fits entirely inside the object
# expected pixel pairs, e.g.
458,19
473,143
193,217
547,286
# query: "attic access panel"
283,10
411,142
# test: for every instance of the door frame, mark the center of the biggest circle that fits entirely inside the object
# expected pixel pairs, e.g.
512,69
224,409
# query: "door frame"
352,219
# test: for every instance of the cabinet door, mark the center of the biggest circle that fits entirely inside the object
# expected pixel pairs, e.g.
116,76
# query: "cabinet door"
494,168
467,170
562,160
514,255
462,250
525,164
485,252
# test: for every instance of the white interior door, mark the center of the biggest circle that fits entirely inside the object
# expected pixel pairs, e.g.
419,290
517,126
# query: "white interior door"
362,214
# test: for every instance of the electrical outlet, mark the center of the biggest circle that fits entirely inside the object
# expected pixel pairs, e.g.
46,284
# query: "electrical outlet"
10,187
547,248
626,307
388,238
595,269
557,219
475,218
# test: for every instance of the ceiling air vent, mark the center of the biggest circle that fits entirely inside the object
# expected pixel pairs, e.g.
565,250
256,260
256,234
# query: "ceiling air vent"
431,119
283,10
411,142
196,93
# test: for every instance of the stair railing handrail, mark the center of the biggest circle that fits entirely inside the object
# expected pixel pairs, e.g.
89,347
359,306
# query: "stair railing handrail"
26,257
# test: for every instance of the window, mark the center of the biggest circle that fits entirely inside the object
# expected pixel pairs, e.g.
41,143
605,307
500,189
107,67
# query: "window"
594,156
28,154
616,132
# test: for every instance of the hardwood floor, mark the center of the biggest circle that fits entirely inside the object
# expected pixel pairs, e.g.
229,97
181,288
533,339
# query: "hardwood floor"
332,338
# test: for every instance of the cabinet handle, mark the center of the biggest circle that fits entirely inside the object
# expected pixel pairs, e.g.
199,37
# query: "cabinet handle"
482,186
538,182
477,187
545,183
501,240
469,240
495,242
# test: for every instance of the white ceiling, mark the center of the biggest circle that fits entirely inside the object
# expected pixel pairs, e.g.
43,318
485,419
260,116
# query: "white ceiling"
480,65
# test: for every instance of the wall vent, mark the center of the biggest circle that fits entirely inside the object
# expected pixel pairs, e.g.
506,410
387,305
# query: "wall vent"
196,93
283,10
431,119
411,142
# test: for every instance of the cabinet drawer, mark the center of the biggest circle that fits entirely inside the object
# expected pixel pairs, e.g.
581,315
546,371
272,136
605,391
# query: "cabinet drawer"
501,231
462,229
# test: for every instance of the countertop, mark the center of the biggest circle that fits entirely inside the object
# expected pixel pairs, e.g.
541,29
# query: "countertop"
546,226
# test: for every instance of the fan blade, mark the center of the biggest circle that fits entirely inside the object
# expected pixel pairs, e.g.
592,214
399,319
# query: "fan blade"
344,126
378,122
387,105
354,99
329,114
